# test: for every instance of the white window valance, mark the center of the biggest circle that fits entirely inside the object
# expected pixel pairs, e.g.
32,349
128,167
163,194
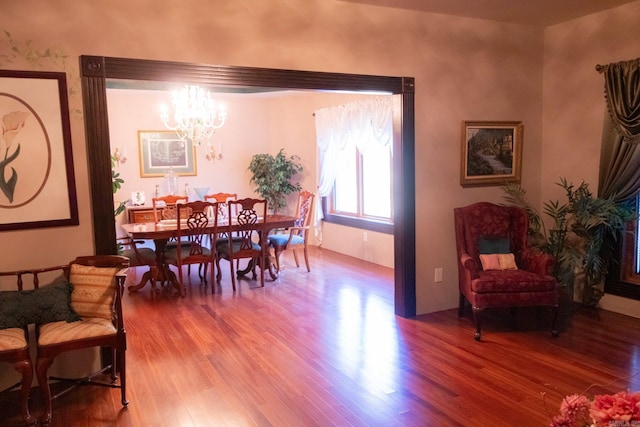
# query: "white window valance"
362,122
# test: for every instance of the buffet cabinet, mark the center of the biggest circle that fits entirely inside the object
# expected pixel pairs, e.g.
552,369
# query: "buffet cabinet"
138,214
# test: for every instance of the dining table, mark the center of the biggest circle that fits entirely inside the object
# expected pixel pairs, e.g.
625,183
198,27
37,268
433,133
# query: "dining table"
163,231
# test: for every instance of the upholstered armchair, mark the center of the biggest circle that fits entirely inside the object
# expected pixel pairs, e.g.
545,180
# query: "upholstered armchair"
496,267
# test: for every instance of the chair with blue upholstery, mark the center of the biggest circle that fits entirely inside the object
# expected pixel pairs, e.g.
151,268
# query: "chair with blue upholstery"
298,236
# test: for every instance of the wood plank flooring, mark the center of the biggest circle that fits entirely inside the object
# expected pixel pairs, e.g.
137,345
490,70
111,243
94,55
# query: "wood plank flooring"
325,349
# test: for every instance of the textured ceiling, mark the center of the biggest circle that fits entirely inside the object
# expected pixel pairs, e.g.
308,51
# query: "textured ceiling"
533,12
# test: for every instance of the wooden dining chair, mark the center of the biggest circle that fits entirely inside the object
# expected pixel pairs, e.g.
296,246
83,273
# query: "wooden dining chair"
298,235
223,210
221,199
98,282
245,236
199,228
164,207
139,257
14,349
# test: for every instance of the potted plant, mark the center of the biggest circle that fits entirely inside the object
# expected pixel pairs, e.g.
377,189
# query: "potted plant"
116,183
273,175
582,236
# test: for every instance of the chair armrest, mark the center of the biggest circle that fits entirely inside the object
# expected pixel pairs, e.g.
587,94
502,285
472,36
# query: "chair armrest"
469,264
538,262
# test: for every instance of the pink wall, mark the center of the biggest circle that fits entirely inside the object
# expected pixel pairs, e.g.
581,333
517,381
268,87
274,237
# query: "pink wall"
465,69
574,104
257,123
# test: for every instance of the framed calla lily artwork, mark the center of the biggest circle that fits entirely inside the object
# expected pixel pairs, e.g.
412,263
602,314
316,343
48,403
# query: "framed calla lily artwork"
37,183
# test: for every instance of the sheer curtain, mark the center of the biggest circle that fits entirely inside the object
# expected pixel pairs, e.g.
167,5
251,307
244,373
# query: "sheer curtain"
368,121
620,155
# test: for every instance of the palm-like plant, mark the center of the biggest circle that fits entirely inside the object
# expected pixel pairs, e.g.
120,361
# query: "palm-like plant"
582,235
273,175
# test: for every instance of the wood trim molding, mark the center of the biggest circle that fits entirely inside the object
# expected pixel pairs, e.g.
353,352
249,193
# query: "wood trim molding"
96,70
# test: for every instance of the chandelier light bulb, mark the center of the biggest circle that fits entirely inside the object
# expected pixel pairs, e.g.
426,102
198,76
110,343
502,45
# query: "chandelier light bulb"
194,115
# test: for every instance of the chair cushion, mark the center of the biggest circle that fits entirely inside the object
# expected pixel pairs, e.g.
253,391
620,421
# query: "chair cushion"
93,290
511,281
223,249
493,245
280,239
507,262
223,240
49,303
490,262
12,339
172,253
57,332
145,253
174,243
498,262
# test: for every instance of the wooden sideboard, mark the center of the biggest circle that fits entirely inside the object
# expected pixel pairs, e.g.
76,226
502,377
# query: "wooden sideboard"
137,214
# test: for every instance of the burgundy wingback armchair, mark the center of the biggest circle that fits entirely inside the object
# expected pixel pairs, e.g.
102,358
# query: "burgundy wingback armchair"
489,229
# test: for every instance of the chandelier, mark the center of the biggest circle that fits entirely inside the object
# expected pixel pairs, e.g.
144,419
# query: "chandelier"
195,116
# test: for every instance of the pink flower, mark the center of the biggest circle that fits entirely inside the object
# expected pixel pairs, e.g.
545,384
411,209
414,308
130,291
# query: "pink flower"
12,123
573,411
562,421
622,406
574,404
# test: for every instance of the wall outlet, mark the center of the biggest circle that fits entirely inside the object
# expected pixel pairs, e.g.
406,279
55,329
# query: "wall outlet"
364,236
437,275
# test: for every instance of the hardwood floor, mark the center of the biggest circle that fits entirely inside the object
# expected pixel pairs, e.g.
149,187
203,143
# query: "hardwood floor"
325,349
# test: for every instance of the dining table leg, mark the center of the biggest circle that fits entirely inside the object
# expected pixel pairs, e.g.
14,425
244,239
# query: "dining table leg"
146,277
164,272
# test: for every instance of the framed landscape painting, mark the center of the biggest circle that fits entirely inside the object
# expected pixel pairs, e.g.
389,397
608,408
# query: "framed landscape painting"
163,150
491,153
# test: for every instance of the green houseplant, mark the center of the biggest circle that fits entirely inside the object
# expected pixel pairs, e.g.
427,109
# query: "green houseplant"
116,182
273,175
581,236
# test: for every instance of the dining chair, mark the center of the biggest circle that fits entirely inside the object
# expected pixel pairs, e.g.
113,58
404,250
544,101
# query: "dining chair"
298,235
221,199
168,205
139,257
98,282
199,227
14,349
245,236
169,212
223,211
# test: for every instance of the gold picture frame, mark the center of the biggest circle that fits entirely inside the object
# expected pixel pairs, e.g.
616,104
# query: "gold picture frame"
161,150
491,153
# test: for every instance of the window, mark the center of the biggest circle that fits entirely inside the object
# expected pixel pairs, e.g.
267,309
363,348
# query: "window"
362,195
625,278
355,142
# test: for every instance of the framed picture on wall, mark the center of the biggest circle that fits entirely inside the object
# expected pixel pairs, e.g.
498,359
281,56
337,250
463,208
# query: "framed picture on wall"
491,153
37,181
161,150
